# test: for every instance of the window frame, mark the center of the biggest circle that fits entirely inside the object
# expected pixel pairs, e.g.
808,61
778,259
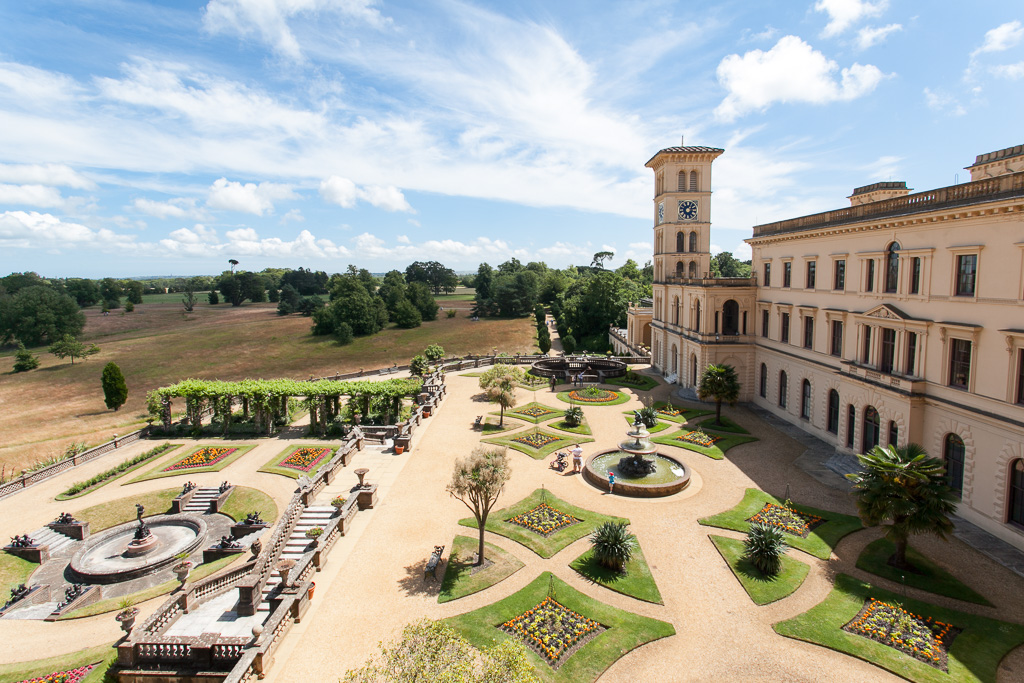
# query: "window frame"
839,275
787,274
809,332
812,275
891,279
887,361
954,477
805,399
956,363
869,281
784,320
832,412
767,273
837,338
783,389
959,274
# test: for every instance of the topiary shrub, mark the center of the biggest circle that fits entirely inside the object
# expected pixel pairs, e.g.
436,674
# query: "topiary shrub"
613,545
574,416
649,416
764,547
569,343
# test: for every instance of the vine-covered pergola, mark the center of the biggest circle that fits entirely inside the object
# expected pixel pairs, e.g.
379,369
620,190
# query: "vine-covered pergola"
266,400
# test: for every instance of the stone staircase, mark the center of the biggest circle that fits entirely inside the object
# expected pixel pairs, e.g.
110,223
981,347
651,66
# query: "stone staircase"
201,501
295,546
59,544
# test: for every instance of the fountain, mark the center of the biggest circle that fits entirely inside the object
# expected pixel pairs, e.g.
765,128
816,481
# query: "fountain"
639,469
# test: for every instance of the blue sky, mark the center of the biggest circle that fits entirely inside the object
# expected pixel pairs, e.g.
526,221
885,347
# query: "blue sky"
167,137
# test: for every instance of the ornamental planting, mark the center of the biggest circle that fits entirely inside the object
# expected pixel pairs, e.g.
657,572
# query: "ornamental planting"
204,457
67,676
786,518
305,459
535,411
536,440
552,630
593,395
920,637
699,438
544,520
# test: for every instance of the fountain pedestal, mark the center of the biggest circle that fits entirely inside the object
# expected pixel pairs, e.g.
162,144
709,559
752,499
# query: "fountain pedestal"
640,471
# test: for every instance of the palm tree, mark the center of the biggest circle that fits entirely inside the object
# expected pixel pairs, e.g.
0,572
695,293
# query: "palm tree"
613,545
906,487
233,263
719,382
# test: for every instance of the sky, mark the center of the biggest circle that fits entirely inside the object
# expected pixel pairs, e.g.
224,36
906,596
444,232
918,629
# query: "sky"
155,138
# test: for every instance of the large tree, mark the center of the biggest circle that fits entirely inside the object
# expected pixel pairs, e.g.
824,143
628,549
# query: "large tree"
907,488
499,383
353,305
39,314
115,389
478,481
69,347
719,383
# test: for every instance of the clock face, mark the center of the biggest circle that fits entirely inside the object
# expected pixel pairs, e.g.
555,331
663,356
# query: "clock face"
688,210
661,212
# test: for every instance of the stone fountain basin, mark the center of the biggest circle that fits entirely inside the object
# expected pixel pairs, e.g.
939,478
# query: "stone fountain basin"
104,558
672,483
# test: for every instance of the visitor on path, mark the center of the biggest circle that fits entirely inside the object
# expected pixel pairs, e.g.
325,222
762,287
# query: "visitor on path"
611,482
577,459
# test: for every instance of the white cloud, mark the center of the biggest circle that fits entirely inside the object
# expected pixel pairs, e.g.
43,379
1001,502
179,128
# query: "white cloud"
743,252
57,175
35,87
340,191
247,198
845,13
749,36
715,249
293,215
345,193
869,35
883,168
1002,37
31,229
403,239
1010,71
180,207
792,71
31,195
389,198
200,241
944,102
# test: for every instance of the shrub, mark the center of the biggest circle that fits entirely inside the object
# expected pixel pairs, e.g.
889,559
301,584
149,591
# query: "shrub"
406,315
574,416
764,547
80,486
434,352
213,298
129,306
115,389
343,333
543,340
649,416
613,545
450,313
418,366
24,360
569,343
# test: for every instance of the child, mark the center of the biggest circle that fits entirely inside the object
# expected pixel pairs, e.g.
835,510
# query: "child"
577,458
611,482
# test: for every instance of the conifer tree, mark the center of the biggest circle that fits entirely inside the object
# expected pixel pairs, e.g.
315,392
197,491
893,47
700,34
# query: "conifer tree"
115,389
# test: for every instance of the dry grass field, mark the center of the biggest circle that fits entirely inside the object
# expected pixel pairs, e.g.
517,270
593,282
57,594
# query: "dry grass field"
46,409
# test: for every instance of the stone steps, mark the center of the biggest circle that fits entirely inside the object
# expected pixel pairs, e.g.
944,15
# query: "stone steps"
201,501
50,538
295,546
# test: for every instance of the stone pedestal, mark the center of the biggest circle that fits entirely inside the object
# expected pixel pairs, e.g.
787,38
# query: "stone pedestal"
367,497
34,553
78,530
239,530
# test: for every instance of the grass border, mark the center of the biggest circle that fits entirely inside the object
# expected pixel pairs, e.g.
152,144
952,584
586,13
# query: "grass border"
638,582
716,452
156,503
272,466
494,428
456,585
555,412
728,425
547,546
818,543
621,397
660,427
102,655
625,631
648,383
116,476
157,473
14,571
685,414
974,656
537,453
763,590
934,579
583,428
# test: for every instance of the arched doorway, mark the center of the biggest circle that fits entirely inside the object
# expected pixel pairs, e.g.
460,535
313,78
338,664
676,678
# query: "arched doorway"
675,359
730,317
872,427
954,454
1016,512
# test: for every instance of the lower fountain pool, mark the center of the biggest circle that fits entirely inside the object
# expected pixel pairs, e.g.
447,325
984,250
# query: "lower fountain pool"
665,469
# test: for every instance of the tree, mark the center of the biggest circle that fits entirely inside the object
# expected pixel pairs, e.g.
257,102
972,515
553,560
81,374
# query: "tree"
133,290
543,340
231,289
115,389
600,257
364,313
24,360
723,264
69,347
419,296
499,383
111,290
478,481
232,262
418,366
569,343
719,382
189,298
84,292
613,545
434,352
289,300
213,298
39,314
906,487
406,315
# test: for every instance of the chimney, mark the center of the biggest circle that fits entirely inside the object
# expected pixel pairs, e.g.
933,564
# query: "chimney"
682,141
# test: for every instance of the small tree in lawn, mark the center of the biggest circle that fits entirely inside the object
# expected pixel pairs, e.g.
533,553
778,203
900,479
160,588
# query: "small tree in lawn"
720,383
189,298
569,344
499,384
478,481
115,389
906,487
69,347
24,360
613,545
764,547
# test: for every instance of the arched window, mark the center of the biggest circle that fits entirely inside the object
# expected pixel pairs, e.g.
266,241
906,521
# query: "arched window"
680,269
693,181
693,269
675,359
681,186
805,400
892,268
832,424
783,388
851,424
872,425
693,242
764,381
693,370
730,317
1016,512
680,242
894,433
675,310
953,453
696,315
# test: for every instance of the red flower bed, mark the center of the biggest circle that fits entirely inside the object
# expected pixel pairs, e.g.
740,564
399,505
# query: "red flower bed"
922,638
305,459
69,676
786,518
204,457
699,438
593,395
536,440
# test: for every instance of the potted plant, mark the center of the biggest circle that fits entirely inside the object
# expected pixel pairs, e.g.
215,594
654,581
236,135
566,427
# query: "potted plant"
401,449
314,534
338,503
127,612
183,567
284,567
312,586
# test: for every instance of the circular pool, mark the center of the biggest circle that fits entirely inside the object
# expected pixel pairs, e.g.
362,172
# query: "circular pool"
106,557
669,475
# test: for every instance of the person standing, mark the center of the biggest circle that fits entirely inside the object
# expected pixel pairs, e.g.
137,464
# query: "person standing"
577,459
611,482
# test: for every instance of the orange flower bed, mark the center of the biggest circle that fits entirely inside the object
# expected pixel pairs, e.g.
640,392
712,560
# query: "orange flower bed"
922,638
789,520
304,459
552,630
204,457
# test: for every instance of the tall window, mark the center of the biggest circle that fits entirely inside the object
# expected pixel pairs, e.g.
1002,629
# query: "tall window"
767,275
871,428
693,241
869,286
783,388
837,338
915,275
892,268
681,184
866,351
787,273
839,275
693,269
911,364
696,317
894,433
680,269
680,242
851,424
812,274
966,274
764,381
1016,511
730,317
805,400
808,332
953,452
888,359
832,423
764,323
959,363
1020,376
784,335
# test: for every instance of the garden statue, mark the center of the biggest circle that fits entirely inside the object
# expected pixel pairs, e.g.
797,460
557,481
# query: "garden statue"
253,518
188,486
142,531
255,548
139,509
227,542
71,593
17,593
66,518
22,541
637,421
224,486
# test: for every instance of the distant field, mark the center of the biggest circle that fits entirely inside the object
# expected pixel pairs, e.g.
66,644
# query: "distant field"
173,298
46,409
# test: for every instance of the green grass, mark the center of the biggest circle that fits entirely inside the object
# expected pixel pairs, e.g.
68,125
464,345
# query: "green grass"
244,500
685,414
537,453
562,426
716,452
974,655
819,542
490,426
114,475
514,412
14,571
113,604
545,546
625,631
104,655
202,299
646,383
273,465
621,397
106,515
661,426
727,425
158,471
459,579
931,577
761,588
637,582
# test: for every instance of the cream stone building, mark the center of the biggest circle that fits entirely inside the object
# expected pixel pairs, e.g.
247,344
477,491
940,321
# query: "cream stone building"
897,319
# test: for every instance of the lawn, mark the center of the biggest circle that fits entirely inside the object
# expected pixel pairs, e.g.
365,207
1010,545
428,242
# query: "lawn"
115,473
761,588
274,465
819,542
103,655
685,414
563,426
553,443
619,398
459,578
532,412
636,582
974,656
661,426
244,500
14,571
490,426
119,511
159,472
642,383
545,546
928,577
716,452
624,631
728,425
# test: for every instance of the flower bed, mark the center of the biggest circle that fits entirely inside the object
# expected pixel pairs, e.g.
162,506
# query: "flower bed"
536,411
204,457
787,519
69,676
593,395
544,520
922,638
699,438
537,440
552,630
669,412
304,459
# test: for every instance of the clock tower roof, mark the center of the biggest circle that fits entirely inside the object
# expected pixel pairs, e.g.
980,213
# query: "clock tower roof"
687,150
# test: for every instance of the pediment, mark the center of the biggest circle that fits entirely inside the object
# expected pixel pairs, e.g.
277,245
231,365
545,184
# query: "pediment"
887,312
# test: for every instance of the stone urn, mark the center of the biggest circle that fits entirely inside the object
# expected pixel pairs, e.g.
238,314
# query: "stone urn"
126,618
361,473
181,571
284,568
